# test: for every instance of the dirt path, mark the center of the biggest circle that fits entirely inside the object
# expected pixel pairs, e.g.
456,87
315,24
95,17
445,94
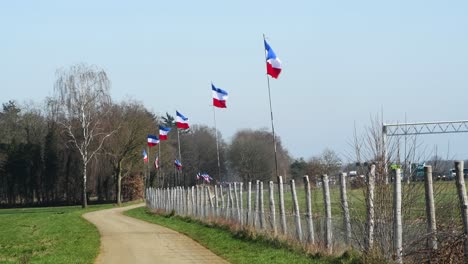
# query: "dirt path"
129,240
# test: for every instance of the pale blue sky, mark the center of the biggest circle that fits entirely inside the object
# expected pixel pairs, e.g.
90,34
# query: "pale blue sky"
342,61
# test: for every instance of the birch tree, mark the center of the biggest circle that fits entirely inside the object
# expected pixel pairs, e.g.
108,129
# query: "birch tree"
83,100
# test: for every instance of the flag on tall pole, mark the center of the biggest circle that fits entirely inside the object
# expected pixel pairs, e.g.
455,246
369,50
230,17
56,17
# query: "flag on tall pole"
181,121
163,131
219,100
273,63
152,140
273,69
145,156
219,97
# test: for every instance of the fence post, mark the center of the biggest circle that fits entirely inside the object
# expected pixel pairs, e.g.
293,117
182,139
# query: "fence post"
229,202
461,189
398,231
430,209
237,202
249,203
281,205
272,208
369,241
216,200
211,201
199,201
262,208
328,219
205,202
310,223
192,193
297,214
222,196
241,185
344,206
257,188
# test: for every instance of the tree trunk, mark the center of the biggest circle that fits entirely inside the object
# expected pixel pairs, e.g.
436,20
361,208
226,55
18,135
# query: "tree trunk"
85,198
119,183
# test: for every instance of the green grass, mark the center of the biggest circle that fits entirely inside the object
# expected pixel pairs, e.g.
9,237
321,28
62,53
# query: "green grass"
48,235
234,248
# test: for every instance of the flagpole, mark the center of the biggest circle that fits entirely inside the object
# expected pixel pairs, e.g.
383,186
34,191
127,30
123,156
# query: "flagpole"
217,144
180,156
159,158
271,115
148,166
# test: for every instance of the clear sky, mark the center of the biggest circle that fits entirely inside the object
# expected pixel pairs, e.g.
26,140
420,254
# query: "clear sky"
343,61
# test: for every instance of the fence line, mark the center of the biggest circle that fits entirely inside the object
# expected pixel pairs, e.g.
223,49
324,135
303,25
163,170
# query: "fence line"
299,216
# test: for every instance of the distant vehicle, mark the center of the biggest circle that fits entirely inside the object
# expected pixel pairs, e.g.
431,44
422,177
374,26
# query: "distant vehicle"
452,174
419,171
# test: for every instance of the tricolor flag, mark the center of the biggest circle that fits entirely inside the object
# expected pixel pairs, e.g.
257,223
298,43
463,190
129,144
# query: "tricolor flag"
145,156
163,131
273,62
181,121
156,163
178,164
152,140
219,97
206,177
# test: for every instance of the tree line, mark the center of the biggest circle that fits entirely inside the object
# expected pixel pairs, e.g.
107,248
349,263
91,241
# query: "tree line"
79,146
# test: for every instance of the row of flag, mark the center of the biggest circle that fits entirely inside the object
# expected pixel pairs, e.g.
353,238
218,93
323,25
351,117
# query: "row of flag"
204,176
220,96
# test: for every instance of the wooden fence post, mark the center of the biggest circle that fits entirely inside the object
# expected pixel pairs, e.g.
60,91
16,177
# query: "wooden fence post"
249,203
430,209
211,209
398,231
192,192
241,185
216,199
237,202
262,208
297,214
370,221
221,193
310,223
328,219
461,189
284,229
229,204
272,208
344,206
257,188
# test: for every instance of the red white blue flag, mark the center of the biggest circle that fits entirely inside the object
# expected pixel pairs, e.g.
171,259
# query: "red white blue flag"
181,121
156,163
152,140
163,131
178,164
272,61
206,177
145,156
219,97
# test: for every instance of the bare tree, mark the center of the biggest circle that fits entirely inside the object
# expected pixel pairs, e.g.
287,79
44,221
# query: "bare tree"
82,95
133,122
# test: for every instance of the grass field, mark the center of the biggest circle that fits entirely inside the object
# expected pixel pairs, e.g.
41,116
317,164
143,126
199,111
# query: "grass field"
48,235
231,247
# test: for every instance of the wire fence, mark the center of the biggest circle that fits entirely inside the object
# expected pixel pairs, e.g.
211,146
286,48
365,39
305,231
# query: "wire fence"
257,207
